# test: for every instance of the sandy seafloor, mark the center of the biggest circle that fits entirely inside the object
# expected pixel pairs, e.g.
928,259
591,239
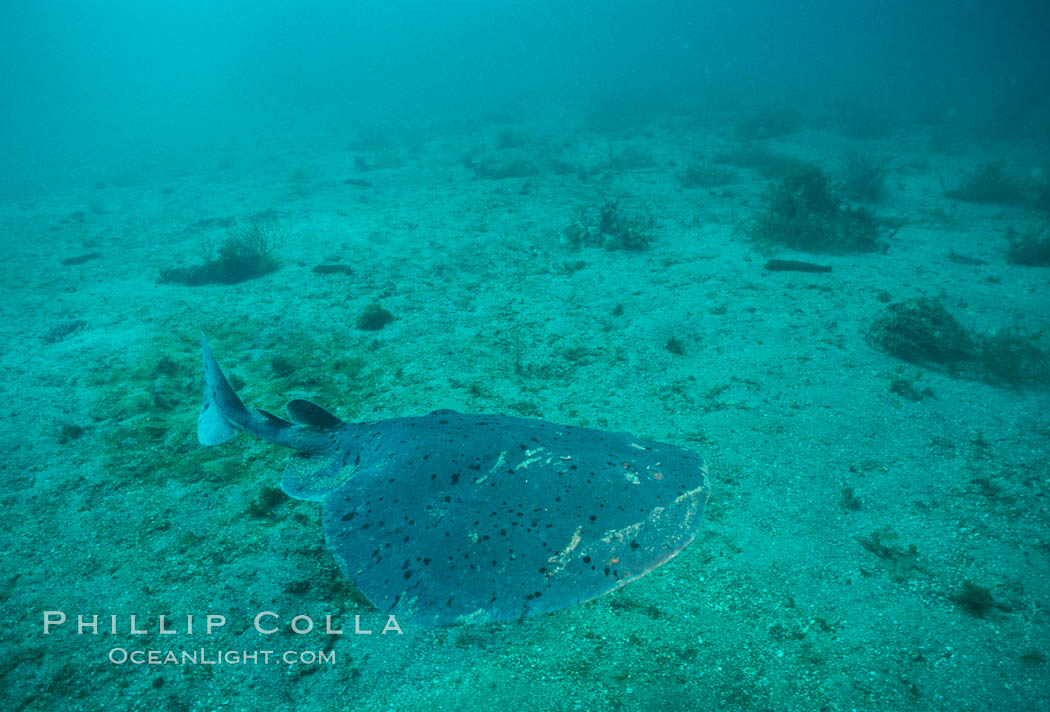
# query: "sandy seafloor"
777,605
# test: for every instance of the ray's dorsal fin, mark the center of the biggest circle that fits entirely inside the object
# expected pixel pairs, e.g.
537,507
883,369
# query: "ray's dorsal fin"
275,419
310,414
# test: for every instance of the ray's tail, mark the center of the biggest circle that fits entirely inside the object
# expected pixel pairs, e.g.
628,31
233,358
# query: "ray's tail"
223,415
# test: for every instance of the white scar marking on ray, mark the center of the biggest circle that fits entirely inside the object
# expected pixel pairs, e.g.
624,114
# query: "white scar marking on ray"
561,558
